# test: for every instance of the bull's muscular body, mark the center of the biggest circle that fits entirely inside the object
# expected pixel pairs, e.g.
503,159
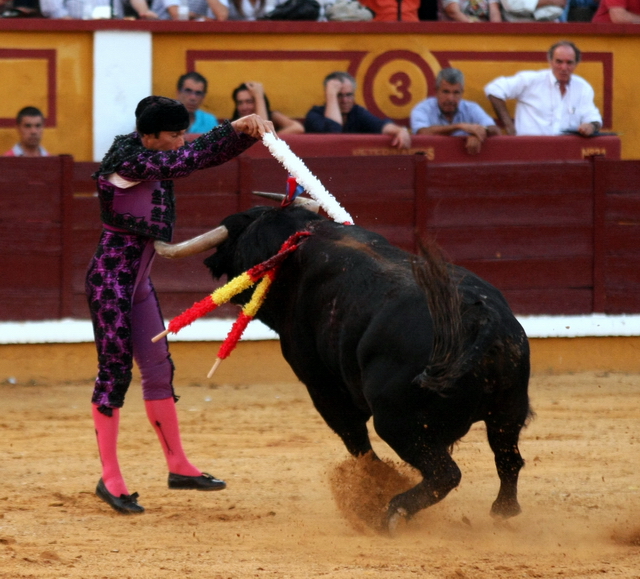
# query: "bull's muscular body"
368,339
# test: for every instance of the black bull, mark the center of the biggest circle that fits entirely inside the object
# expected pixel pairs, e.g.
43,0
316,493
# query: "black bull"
425,347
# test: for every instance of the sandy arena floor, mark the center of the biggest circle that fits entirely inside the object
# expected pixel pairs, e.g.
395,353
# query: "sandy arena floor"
287,474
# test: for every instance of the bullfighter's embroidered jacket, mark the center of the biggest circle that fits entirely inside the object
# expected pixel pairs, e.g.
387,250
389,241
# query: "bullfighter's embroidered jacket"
147,207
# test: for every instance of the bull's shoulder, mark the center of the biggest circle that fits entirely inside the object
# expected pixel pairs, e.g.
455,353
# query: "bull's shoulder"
356,251
351,238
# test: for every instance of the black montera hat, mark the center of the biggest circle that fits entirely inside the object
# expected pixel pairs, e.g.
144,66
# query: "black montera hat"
157,113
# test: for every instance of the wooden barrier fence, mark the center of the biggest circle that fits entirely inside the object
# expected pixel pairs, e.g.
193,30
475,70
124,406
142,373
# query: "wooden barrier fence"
557,237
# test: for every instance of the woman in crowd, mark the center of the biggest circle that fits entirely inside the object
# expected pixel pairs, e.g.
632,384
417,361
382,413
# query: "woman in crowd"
249,99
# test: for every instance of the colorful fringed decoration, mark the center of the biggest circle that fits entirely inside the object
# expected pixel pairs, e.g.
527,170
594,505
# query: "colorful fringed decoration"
264,272
221,296
247,314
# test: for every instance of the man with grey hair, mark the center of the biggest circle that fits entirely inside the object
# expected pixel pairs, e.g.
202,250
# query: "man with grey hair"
341,114
551,101
449,114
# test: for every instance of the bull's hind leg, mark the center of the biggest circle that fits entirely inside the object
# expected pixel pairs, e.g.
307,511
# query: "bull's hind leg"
503,440
440,476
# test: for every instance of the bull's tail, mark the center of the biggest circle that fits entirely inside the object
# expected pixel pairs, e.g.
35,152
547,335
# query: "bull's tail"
450,359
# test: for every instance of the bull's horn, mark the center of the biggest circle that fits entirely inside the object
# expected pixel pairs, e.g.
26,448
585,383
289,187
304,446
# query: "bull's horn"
198,244
305,202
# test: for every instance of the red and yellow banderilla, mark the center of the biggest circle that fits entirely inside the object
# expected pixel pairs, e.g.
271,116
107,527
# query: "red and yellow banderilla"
264,272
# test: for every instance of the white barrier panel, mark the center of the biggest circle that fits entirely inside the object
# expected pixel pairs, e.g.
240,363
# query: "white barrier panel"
117,89
75,331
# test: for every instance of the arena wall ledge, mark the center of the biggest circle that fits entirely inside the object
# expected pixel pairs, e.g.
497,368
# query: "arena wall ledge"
556,237
261,361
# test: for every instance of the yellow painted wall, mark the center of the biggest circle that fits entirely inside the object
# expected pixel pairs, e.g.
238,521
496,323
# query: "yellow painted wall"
24,83
262,361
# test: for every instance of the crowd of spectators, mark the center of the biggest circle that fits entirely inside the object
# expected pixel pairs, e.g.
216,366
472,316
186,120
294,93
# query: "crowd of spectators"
616,11
549,102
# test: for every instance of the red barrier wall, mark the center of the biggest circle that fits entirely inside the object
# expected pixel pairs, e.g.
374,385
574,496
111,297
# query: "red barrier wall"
557,237
35,200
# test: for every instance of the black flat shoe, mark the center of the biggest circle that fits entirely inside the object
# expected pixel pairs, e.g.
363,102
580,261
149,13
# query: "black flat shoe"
204,482
127,504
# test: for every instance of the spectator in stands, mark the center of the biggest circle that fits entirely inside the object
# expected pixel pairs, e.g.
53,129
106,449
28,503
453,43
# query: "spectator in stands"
469,11
197,9
249,98
549,101
21,9
618,12
449,114
428,10
78,9
352,11
250,9
393,10
137,9
30,127
532,10
192,88
340,114
579,10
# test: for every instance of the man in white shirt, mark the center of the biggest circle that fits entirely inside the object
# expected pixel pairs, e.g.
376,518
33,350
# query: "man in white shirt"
549,102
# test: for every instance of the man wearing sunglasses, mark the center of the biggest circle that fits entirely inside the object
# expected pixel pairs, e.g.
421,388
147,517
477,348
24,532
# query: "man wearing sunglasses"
192,88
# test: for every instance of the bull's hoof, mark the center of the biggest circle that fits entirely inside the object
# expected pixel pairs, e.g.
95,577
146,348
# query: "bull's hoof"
394,518
505,509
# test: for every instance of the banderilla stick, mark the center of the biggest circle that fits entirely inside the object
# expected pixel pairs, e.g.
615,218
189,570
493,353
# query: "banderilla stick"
160,336
214,367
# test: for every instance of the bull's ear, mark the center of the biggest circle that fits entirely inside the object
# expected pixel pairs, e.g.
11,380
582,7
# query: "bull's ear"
305,202
198,244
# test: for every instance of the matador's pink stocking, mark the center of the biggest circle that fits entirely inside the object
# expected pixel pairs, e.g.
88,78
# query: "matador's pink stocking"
164,419
107,436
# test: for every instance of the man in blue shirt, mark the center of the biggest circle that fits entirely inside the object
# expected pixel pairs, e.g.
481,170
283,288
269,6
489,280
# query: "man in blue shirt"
449,114
341,114
192,88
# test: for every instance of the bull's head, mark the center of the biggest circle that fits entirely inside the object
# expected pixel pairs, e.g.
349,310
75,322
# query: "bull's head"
215,237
